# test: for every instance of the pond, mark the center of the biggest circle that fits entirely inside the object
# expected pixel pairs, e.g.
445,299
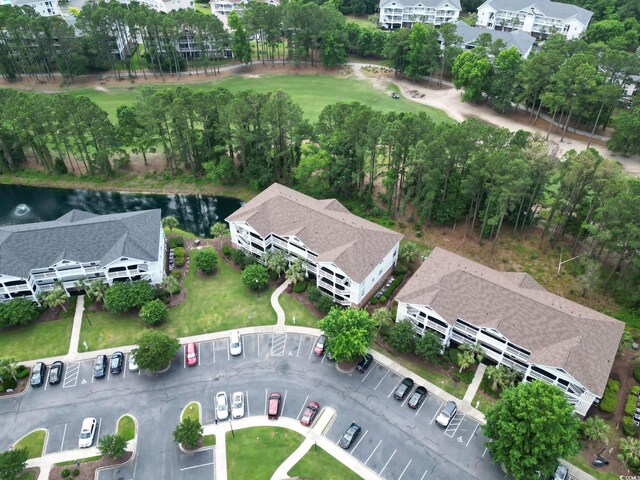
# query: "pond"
195,213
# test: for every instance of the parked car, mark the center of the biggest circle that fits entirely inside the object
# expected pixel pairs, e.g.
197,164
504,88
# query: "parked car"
87,432
365,363
100,366
447,413
133,366
237,405
309,414
117,362
55,372
235,345
562,473
318,349
273,411
417,398
403,389
222,406
350,435
38,374
191,352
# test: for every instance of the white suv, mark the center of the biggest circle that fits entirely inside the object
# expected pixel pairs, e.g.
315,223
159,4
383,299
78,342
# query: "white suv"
446,414
222,406
87,433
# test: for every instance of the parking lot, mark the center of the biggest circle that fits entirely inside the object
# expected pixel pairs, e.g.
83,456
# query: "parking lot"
396,441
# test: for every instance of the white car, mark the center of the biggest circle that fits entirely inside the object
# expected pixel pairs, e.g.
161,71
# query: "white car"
222,406
133,366
87,432
237,405
235,345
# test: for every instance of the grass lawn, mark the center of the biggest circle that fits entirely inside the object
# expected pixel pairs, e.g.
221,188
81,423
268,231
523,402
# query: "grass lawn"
257,452
362,20
191,411
30,475
317,464
34,442
485,401
215,303
293,308
311,92
579,461
457,389
209,440
203,8
178,231
127,428
51,337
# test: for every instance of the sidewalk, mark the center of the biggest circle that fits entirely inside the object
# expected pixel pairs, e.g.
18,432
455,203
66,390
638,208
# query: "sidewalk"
275,304
475,383
77,325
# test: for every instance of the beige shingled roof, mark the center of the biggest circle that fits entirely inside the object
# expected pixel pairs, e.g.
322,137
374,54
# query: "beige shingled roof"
326,227
557,331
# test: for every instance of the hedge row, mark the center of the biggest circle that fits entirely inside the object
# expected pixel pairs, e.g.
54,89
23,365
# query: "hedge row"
610,397
176,241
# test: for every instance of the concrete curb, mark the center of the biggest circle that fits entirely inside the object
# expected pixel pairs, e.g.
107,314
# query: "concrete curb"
44,444
201,449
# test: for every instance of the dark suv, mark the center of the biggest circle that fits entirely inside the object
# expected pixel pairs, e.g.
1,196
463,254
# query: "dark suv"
117,361
100,366
403,389
38,373
350,435
365,363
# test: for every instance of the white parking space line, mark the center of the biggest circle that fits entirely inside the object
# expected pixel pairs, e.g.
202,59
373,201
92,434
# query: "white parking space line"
424,474
423,404
302,408
385,465
246,401
228,350
71,375
374,451
368,373
184,356
454,425
474,432
213,344
243,349
385,376
437,412
258,346
64,434
284,401
406,398
199,353
323,357
486,449
99,427
313,345
405,469
93,377
356,445
196,466
278,345
124,368
394,388
299,345
108,371
47,379
265,401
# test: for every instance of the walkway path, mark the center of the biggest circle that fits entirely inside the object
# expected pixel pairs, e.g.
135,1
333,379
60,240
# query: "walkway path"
77,325
475,383
275,304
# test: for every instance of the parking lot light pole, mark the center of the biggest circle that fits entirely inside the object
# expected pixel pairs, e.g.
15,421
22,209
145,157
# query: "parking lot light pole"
86,315
258,288
231,426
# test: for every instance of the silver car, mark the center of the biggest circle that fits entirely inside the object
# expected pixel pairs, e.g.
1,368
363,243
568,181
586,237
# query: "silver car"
237,405
222,406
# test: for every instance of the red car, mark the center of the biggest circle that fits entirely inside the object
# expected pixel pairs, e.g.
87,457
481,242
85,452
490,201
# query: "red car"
191,352
318,350
309,414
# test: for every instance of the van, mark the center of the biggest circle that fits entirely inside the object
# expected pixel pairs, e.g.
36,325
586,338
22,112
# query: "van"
87,432
447,413
273,410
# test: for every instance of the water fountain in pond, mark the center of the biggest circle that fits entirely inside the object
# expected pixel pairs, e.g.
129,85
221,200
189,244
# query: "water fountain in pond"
21,210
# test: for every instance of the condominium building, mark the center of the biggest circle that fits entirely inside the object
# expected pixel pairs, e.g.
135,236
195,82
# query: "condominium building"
46,8
518,39
404,13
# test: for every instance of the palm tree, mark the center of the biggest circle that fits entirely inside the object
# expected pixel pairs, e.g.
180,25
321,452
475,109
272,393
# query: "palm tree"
382,317
170,222
219,230
82,285
276,261
630,451
56,298
595,429
170,284
96,291
501,377
470,354
9,366
409,252
296,272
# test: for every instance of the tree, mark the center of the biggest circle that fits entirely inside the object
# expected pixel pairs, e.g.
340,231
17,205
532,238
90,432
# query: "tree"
589,279
297,271
57,297
626,341
188,432
8,366
205,259
472,71
170,223
429,347
241,46
470,355
409,252
170,284
255,277
506,68
112,446
625,139
501,377
424,51
530,427
124,296
155,350
382,317
594,429
630,453
276,261
349,332
96,290
153,313
12,463
19,311
402,337
219,230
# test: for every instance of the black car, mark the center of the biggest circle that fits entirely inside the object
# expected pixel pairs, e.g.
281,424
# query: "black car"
117,361
38,373
100,366
403,389
417,398
55,373
350,435
365,363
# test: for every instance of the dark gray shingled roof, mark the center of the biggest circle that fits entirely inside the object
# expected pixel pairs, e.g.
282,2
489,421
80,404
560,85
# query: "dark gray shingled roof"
82,237
557,331
549,9
519,39
326,227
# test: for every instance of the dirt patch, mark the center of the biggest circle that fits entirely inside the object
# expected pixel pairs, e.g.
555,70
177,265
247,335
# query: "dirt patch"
88,469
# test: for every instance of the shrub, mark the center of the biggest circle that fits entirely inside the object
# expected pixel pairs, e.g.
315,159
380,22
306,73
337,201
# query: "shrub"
125,296
75,472
454,355
636,374
176,274
22,371
176,241
630,406
628,427
1,389
241,259
325,304
402,337
400,269
227,251
205,259
314,294
635,390
383,299
153,313
8,382
374,301
255,277
300,287
65,473
179,256
391,288
17,312
610,397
